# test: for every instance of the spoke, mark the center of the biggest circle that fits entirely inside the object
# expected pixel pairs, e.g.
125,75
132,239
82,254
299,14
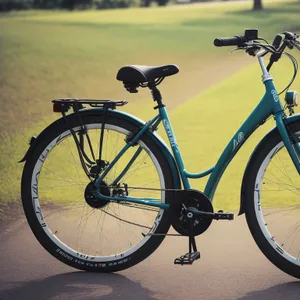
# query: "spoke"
286,173
96,229
130,228
52,212
281,185
130,173
70,180
296,227
281,216
102,234
57,179
77,206
74,159
57,186
126,221
142,158
283,190
83,220
292,208
295,237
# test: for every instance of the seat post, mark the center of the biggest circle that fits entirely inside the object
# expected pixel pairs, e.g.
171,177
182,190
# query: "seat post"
156,95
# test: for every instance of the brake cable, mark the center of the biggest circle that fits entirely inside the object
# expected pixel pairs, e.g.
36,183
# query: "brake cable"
295,64
272,49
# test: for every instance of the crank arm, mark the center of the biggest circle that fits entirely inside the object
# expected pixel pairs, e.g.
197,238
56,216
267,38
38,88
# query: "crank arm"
220,215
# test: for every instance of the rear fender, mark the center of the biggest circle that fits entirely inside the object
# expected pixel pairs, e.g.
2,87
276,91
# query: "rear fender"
119,114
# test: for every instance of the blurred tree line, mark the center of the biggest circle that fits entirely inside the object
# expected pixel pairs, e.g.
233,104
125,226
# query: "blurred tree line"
8,5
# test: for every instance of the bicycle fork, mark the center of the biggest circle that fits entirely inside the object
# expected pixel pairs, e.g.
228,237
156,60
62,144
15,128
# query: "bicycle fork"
290,140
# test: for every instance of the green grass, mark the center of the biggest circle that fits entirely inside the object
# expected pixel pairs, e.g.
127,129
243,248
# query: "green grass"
60,54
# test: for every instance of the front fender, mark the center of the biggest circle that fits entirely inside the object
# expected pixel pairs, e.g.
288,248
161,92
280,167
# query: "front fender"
288,120
119,114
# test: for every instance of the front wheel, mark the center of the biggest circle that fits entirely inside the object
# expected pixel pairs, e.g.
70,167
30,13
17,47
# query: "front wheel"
271,195
79,230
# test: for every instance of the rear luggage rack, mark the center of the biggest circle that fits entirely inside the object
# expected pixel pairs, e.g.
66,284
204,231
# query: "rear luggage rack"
64,104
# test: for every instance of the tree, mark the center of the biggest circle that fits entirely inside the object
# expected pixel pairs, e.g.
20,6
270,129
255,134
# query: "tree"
145,3
68,4
162,2
257,5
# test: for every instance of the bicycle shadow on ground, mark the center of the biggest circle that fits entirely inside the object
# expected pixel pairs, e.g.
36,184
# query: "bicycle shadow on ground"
77,286
289,290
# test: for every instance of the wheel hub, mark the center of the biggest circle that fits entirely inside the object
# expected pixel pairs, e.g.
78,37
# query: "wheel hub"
90,195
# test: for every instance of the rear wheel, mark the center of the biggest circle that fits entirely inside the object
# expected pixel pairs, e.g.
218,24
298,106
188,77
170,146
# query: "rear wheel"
272,203
89,234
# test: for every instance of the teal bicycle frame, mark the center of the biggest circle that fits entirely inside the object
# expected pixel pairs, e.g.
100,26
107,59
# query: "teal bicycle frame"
269,105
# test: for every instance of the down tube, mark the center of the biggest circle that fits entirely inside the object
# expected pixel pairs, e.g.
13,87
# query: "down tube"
256,118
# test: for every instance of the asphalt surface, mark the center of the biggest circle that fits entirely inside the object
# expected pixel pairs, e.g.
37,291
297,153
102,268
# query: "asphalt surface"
231,267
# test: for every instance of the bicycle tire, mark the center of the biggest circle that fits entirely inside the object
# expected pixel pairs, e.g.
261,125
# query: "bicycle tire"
87,261
269,194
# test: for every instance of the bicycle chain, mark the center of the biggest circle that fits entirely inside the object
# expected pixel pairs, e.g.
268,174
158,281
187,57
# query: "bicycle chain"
139,225
153,189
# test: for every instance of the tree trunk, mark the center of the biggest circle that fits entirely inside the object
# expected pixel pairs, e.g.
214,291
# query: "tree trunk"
257,5
146,3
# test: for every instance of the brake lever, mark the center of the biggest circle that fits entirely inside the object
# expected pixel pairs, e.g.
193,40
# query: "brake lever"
253,51
297,44
237,48
290,44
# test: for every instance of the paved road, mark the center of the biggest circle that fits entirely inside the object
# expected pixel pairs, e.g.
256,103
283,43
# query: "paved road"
231,267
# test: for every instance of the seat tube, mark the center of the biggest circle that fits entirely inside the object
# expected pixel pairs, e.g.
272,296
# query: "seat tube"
175,149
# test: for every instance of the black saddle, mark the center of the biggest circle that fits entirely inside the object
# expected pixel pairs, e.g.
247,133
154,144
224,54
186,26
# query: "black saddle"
140,74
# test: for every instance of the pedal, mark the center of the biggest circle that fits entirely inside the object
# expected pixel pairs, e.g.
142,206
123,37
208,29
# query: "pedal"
220,215
187,259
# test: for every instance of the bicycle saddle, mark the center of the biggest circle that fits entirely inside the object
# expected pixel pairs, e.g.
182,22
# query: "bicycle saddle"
139,74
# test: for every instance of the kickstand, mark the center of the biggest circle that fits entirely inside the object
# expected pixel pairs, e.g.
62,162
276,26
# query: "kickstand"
193,254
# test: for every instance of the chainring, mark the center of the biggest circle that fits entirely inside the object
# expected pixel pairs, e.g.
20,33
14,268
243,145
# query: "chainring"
183,200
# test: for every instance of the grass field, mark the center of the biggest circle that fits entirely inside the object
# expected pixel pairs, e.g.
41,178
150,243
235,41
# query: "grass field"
61,54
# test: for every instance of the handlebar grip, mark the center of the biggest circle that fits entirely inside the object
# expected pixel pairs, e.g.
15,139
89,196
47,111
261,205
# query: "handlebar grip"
233,41
277,41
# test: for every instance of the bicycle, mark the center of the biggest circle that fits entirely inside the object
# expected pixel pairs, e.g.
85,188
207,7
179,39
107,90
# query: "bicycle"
100,189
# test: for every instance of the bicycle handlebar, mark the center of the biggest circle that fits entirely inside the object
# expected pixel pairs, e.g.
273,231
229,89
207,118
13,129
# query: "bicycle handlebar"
237,40
252,35
250,42
277,41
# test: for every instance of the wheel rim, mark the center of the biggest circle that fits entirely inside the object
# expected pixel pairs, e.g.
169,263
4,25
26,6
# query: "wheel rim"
277,203
91,234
